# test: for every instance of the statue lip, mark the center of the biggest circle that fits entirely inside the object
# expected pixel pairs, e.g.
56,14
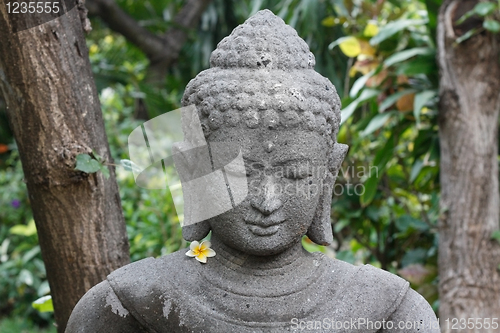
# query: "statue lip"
263,231
265,227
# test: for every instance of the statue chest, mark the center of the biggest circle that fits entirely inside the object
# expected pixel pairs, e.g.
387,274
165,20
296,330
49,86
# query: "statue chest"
211,307
204,298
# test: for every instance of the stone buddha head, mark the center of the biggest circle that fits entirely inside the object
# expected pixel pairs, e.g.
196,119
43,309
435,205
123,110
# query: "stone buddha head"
262,98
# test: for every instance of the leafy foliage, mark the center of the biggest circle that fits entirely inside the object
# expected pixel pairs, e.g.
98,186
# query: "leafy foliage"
387,207
87,164
22,272
19,325
386,202
488,12
152,224
44,304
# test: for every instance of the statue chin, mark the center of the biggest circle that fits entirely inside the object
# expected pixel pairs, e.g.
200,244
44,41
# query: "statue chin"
262,180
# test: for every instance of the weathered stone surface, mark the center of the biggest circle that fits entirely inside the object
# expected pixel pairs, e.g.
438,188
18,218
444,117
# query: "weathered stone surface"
260,99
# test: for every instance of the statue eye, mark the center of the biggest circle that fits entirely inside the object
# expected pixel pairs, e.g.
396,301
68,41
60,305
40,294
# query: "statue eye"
253,167
297,172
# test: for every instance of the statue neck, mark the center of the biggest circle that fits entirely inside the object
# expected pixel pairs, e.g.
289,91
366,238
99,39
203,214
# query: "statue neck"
236,260
278,275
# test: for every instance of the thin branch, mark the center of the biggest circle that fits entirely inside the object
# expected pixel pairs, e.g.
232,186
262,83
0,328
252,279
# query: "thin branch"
162,51
119,21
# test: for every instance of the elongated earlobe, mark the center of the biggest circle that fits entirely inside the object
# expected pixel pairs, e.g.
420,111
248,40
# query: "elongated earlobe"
339,152
320,231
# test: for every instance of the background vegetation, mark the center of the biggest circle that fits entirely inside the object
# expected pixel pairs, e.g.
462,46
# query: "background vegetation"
381,57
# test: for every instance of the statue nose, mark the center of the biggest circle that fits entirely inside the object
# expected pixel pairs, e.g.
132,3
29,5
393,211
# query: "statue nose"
266,207
268,201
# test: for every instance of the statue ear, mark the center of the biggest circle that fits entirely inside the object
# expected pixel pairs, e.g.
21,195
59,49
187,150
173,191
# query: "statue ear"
320,230
196,231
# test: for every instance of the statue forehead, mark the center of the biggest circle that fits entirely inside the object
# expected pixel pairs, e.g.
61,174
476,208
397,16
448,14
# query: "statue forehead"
261,144
262,137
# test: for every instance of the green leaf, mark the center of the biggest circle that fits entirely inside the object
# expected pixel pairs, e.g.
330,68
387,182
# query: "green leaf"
420,100
86,164
392,28
310,247
377,122
415,170
24,230
30,254
350,47
329,21
420,65
341,224
466,36
97,156
369,189
365,95
371,30
386,153
130,166
465,17
359,84
407,54
105,171
496,235
3,250
485,8
491,25
43,289
339,41
390,100
406,222
25,277
43,304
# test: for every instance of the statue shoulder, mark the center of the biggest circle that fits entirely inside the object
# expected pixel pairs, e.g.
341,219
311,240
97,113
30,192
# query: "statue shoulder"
385,287
369,282
133,297
150,273
100,310
414,314
146,286
365,293
384,297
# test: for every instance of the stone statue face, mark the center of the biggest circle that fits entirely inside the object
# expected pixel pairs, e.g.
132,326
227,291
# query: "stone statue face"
262,93
284,171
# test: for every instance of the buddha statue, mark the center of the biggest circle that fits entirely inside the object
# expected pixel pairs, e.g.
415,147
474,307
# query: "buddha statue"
261,100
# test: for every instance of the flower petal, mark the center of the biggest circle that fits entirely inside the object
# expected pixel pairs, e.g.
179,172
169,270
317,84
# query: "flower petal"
209,253
194,245
201,258
190,254
205,245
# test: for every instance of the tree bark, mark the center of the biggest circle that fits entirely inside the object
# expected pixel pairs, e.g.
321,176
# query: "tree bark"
468,123
54,112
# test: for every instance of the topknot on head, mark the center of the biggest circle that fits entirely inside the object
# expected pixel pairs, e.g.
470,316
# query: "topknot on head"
263,41
262,75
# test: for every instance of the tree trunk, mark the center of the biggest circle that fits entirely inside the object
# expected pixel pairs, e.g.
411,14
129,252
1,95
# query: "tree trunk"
469,108
54,112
